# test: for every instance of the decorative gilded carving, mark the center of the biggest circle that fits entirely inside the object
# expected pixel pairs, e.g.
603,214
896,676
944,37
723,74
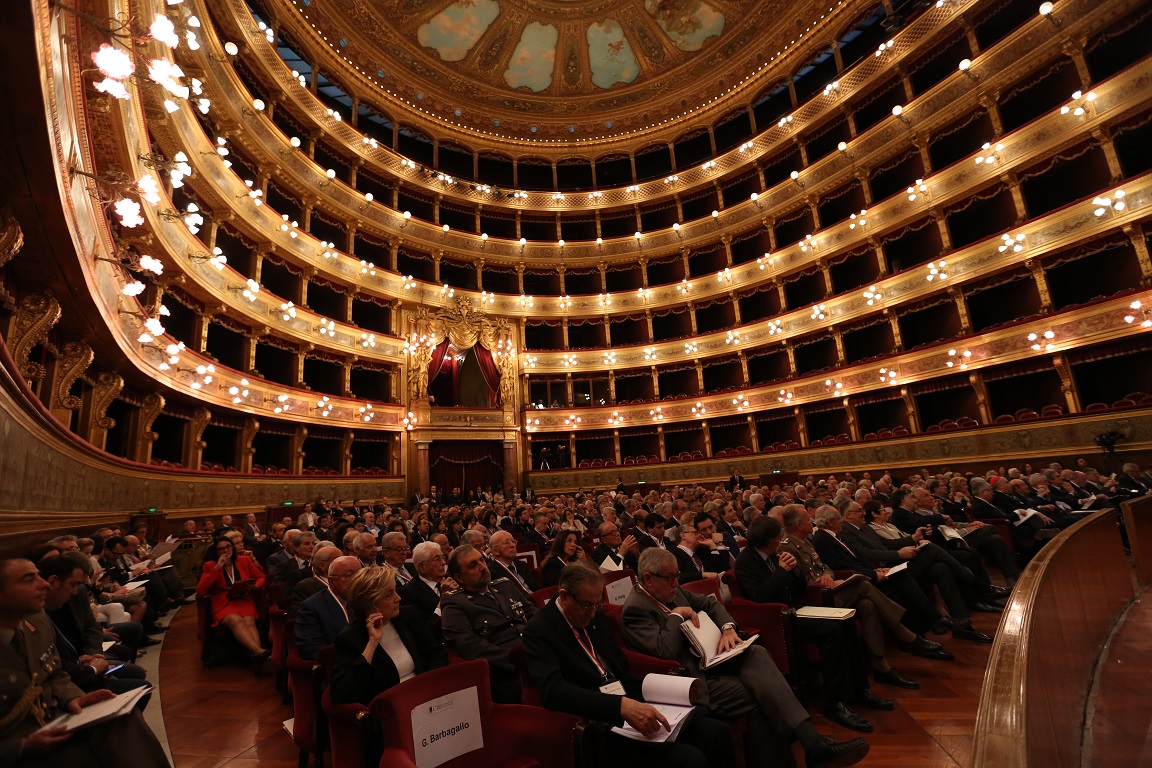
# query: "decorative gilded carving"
11,236
153,404
74,360
464,327
248,432
196,425
108,386
35,316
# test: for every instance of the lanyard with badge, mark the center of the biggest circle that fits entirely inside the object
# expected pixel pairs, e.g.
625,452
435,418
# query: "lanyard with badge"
613,687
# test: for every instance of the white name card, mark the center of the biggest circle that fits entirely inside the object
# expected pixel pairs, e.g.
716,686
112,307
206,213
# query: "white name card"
447,727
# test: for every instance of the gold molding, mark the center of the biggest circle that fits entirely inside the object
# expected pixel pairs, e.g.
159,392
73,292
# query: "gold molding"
151,407
74,360
11,236
109,384
35,317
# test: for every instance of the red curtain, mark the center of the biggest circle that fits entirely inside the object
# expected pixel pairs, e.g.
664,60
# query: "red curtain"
490,371
438,355
465,464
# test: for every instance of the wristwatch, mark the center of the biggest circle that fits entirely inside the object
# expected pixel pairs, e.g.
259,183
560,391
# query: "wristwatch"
730,625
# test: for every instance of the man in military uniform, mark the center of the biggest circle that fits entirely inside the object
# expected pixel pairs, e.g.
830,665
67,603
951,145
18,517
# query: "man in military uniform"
484,619
34,689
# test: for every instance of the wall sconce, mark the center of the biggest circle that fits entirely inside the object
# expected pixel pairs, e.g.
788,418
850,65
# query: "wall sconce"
368,340
596,195
254,193
785,396
530,425
572,421
407,215
832,88
323,406
746,146
530,361
239,393
135,262
667,179
676,229
172,354
568,360
328,176
917,189
367,268
966,70
1010,243
885,47
898,113
368,198
834,386
565,303
217,258
1046,10
1139,311
250,290
733,338
755,198
740,402
644,294
605,299
649,353
615,419
287,311
774,327
795,176
366,412
1114,204
887,375
281,401
633,188
191,215
527,301
859,219
1042,341
610,358
204,372
819,312
406,163
559,243
765,261
446,292
409,282
873,295
843,147
326,328
691,348
698,410
958,359
708,165
936,270
715,216
656,413
724,276
1081,103
808,244
257,106
487,298
784,122
992,156
289,226
329,251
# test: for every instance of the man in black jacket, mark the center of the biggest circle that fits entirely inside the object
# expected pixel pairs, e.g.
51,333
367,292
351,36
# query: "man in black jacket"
767,577
578,668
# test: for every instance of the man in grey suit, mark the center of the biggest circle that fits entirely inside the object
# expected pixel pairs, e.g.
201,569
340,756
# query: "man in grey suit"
748,685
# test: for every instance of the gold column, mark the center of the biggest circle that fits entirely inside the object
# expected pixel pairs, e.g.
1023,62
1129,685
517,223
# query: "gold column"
296,451
983,403
1067,383
244,450
910,407
192,454
140,449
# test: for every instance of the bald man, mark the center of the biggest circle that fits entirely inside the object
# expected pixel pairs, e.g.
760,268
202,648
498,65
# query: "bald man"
325,614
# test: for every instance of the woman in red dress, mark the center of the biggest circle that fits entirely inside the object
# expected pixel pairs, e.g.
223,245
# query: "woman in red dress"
227,579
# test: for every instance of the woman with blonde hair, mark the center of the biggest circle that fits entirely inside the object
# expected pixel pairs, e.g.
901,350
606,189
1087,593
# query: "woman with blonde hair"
384,643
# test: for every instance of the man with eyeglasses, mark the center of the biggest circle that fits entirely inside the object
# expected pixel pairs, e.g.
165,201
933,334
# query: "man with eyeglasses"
396,551
622,550
325,614
423,593
578,668
503,562
748,685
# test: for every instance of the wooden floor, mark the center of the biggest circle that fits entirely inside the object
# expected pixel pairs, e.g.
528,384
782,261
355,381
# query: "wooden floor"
225,717
1121,723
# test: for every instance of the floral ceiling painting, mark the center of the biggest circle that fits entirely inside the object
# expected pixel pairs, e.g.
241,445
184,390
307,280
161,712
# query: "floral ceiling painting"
453,31
610,56
688,23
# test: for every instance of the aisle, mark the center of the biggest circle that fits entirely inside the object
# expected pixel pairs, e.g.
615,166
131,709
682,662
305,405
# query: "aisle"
221,716
1121,724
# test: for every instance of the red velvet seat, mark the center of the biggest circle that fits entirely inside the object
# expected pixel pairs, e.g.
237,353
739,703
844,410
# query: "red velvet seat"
304,677
348,724
933,428
640,664
541,596
899,432
614,576
1027,416
514,735
1093,407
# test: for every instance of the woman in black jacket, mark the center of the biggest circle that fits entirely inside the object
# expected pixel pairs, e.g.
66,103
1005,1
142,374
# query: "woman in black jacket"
565,549
384,644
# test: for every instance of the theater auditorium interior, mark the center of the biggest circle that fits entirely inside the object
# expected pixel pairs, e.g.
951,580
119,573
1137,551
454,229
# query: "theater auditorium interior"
304,303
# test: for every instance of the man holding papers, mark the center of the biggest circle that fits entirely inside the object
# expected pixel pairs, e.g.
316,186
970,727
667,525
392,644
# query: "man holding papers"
749,685
579,669
34,689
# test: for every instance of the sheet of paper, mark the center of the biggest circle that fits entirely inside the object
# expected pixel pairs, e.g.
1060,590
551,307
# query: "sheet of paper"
899,568
618,591
673,714
447,727
101,711
822,612
611,565
135,584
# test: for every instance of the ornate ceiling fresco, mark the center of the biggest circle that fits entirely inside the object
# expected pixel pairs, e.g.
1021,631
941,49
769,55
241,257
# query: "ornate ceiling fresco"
560,70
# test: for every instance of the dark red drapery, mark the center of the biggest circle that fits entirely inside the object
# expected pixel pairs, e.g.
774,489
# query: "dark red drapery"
466,464
490,371
438,355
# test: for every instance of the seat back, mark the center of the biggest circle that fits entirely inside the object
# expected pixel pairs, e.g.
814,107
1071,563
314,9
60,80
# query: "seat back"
621,583
347,723
703,587
302,681
541,596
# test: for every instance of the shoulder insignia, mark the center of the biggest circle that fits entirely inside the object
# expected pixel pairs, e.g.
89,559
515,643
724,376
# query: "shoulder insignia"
501,580
454,592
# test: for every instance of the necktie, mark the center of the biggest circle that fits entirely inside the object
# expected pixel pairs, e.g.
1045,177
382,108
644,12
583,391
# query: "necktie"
771,563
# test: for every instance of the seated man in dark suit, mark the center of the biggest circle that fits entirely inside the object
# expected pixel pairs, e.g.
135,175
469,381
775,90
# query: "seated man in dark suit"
298,547
652,534
272,545
503,562
325,614
423,592
913,589
537,535
299,588
689,555
622,551
578,668
748,685
768,577
989,504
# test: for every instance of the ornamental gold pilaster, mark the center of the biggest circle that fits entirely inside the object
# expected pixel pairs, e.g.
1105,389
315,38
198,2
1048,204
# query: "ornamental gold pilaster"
1067,383
35,317
194,445
11,236
245,451
73,360
142,435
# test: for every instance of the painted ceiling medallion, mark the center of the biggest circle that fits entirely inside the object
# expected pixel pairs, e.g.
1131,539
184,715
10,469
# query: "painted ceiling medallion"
610,56
688,23
534,59
453,31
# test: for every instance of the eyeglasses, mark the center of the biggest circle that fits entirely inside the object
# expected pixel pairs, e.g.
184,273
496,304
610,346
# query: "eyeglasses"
670,578
589,606
399,549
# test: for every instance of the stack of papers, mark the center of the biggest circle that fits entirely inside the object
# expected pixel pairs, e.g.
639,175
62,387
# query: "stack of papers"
100,712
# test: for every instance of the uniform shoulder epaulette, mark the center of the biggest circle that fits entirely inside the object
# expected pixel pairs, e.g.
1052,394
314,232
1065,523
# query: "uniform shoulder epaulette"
452,592
501,580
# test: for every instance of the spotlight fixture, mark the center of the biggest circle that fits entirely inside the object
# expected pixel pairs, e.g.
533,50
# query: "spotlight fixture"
958,359
1042,342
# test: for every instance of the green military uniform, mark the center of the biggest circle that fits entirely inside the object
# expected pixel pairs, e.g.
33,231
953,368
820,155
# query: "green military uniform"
486,625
